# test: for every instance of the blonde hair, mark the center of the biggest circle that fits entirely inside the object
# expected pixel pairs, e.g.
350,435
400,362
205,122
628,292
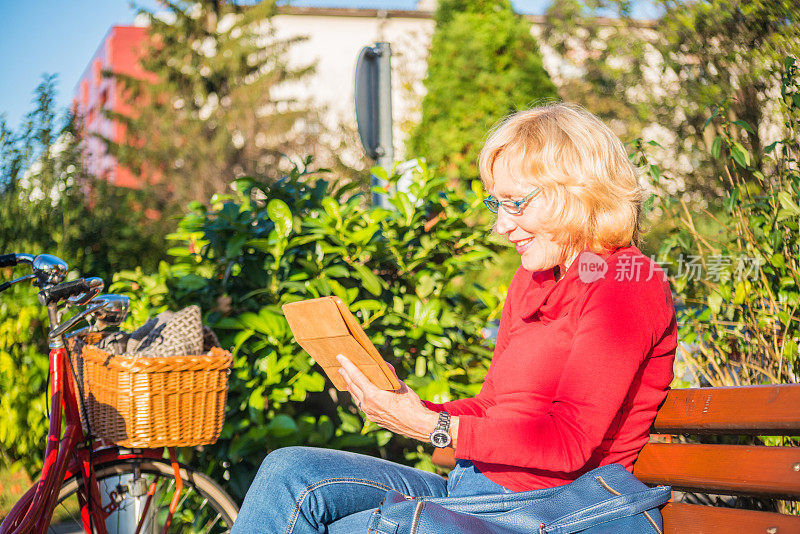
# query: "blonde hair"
580,164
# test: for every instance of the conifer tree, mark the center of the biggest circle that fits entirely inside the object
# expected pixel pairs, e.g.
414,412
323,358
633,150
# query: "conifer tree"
213,108
48,204
483,64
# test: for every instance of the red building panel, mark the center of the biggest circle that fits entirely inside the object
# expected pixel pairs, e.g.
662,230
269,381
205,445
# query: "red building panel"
120,51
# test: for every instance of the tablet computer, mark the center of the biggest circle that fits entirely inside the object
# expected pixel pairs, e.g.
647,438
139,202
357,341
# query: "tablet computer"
324,327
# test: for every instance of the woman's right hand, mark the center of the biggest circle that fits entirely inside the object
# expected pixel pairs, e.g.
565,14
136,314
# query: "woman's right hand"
400,411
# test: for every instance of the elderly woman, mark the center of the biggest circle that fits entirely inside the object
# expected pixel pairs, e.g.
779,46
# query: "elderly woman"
583,358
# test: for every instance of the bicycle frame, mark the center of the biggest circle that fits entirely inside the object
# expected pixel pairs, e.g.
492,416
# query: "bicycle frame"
33,512
66,457
68,454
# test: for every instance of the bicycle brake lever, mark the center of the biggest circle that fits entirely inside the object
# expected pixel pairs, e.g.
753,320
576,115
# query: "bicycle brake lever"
6,285
72,321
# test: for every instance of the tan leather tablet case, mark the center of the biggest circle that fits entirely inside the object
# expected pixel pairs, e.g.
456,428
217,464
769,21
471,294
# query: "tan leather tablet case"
324,327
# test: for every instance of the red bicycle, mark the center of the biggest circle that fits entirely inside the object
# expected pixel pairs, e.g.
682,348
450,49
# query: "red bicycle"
95,486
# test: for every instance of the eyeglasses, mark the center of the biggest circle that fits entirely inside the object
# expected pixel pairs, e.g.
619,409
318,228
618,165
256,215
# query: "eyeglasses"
512,207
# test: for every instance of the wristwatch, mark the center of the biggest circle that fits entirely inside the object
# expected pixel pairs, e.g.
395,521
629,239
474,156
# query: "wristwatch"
440,437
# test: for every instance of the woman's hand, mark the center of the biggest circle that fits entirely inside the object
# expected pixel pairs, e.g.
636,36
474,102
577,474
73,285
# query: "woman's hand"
400,411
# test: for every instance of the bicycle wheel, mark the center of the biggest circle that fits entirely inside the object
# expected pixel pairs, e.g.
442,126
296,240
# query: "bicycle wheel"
203,506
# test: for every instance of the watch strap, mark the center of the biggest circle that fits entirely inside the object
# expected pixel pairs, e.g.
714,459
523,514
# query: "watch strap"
440,437
444,422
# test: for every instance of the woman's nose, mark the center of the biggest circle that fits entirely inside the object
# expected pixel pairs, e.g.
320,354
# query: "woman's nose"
505,222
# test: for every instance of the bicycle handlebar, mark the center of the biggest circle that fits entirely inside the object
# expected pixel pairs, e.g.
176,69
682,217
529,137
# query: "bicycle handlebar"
65,290
8,260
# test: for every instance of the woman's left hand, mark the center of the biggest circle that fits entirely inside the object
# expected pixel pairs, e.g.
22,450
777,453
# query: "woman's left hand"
400,411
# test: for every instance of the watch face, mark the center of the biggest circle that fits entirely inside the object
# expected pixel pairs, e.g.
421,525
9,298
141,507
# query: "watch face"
440,438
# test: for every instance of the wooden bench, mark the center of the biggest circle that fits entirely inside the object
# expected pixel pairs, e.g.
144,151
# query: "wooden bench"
752,471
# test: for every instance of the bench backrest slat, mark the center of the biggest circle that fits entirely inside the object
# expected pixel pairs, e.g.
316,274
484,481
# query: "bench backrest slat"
727,469
697,519
757,410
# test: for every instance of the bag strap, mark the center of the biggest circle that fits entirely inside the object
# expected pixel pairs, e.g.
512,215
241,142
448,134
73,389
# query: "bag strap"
619,507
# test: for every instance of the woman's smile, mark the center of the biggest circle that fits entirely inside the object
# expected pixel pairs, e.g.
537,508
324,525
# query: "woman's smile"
523,244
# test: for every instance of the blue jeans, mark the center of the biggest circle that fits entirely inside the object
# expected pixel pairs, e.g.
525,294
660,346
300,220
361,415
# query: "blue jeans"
300,490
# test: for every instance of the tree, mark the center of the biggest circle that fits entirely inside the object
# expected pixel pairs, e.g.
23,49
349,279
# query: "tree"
725,54
483,65
700,59
48,203
605,59
213,110
30,175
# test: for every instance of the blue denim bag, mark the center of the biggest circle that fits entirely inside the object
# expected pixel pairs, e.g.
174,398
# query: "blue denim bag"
605,500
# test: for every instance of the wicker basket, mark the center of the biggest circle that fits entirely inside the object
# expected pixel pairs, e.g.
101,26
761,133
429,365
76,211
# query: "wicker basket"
173,401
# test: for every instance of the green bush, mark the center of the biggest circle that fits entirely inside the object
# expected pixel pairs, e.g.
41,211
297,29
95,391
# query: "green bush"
739,320
23,376
401,270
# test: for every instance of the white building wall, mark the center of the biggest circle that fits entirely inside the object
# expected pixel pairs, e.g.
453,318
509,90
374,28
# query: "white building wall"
334,39
333,44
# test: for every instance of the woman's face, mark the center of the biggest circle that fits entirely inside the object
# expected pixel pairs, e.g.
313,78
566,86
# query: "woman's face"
536,248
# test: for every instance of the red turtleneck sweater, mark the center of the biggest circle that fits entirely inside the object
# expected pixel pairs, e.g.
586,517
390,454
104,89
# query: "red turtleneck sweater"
578,372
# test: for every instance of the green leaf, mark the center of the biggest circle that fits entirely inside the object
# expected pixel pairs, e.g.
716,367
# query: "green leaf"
332,209
256,400
339,290
730,201
192,282
744,125
787,203
740,293
226,323
425,313
421,366
266,321
790,350
379,172
363,235
350,422
372,282
740,154
233,247
281,426
281,215
477,188
261,244
179,252
405,205
311,382
655,172
369,305
425,286
714,302
716,147
337,271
